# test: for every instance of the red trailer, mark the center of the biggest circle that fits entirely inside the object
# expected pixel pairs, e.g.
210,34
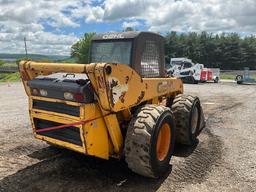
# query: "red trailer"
208,74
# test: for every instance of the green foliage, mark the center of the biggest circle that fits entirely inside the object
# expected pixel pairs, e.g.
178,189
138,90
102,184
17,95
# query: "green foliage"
80,50
227,51
2,62
10,64
10,77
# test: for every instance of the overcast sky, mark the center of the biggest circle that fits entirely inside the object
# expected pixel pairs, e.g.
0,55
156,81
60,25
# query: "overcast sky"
52,26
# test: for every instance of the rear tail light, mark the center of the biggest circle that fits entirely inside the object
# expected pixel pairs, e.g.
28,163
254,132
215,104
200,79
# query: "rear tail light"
79,97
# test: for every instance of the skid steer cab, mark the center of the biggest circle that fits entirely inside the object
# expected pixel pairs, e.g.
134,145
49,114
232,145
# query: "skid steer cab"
120,105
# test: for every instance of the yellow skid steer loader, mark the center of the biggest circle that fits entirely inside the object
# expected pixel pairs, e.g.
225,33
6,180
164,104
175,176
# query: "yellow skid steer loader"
122,104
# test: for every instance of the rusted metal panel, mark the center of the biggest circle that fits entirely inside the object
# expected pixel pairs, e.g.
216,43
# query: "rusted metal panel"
125,88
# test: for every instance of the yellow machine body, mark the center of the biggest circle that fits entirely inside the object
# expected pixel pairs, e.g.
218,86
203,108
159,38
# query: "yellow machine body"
118,89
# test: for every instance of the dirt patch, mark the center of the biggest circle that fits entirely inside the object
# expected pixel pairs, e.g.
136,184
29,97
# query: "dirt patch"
69,171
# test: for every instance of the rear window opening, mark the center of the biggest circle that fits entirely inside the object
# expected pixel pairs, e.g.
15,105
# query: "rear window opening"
111,52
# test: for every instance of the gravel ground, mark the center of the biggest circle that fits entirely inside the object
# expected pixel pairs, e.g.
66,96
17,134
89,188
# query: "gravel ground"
223,159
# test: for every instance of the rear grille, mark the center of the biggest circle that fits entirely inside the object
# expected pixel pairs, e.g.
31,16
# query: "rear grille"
57,107
68,134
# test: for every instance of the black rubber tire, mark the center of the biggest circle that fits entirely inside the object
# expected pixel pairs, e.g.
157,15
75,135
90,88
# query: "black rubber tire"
192,80
182,108
196,81
216,80
141,139
239,79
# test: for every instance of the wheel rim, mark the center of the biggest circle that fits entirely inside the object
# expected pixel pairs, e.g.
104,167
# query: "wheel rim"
194,120
163,142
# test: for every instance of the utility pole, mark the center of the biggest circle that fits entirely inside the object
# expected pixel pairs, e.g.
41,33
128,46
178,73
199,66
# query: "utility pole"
25,43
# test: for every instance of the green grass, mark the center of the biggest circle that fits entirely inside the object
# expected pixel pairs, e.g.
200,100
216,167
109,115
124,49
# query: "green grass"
227,76
8,64
10,77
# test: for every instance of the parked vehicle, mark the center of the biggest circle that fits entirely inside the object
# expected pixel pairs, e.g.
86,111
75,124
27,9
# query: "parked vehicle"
185,69
113,106
190,72
210,74
245,78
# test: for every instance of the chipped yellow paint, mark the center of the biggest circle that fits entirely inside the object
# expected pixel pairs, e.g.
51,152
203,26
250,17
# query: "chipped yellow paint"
138,89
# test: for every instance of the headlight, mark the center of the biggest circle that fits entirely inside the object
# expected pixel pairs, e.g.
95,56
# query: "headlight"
68,96
43,92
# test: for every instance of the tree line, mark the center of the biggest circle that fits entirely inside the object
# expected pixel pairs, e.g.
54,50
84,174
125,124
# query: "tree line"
225,51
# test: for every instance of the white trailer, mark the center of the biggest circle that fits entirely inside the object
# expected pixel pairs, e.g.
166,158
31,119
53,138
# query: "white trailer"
210,74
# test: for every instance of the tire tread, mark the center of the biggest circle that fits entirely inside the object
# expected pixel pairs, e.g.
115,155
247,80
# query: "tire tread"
138,138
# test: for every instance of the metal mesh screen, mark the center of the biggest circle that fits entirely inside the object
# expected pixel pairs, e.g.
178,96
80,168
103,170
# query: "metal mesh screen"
150,60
